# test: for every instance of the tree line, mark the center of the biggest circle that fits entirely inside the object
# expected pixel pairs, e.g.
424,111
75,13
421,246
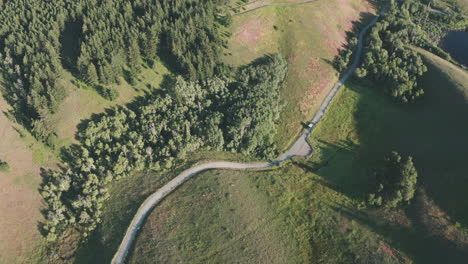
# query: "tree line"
221,113
110,39
388,59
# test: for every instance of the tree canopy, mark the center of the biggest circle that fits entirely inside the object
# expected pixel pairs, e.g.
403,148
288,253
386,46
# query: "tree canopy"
396,181
108,38
220,113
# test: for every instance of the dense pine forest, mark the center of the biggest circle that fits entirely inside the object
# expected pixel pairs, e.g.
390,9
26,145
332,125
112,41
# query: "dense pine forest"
99,41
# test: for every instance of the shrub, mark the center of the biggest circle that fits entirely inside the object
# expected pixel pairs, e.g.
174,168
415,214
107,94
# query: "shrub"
107,92
4,167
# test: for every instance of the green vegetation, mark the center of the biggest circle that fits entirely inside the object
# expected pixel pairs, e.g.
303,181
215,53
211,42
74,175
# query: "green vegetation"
396,181
314,210
156,130
280,216
100,41
4,167
108,93
388,60
361,126
308,37
254,107
319,205
38,157
343,59
127,195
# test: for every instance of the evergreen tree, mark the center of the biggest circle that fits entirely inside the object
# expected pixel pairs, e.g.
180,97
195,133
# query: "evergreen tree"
396,181
91,76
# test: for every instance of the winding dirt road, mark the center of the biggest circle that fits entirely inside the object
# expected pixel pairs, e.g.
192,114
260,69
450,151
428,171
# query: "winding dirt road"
300,148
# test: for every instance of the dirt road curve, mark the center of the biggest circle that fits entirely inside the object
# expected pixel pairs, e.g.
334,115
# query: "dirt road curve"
300,148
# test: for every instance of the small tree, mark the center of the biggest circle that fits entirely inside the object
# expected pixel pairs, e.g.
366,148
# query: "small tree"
91,74
396,182
4,167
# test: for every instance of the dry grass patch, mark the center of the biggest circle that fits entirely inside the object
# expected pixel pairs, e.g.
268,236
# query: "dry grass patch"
310,37
253,35
20,201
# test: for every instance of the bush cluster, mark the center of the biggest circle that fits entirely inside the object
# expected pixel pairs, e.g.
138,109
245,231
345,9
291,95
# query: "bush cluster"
396,181
4,167
389,61
234,114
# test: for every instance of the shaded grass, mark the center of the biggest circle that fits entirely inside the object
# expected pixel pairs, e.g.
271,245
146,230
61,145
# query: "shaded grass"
362,125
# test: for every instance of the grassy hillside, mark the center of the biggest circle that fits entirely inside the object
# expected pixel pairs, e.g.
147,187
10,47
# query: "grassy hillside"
309,36
126,197
362,126
281,216
19,198
305,212
218,217
314,209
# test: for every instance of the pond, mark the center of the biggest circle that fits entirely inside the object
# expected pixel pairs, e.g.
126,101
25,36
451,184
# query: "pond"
456,44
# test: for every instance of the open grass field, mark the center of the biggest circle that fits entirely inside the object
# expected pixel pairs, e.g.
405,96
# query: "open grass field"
279,216
314,208
20,201
309,36
217,217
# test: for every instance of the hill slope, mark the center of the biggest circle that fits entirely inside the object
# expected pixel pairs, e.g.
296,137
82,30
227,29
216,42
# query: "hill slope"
309,36
313,209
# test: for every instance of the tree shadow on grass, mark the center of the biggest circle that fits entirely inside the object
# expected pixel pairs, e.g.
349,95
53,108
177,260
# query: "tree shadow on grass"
432,130
416,241
343,178
434,133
